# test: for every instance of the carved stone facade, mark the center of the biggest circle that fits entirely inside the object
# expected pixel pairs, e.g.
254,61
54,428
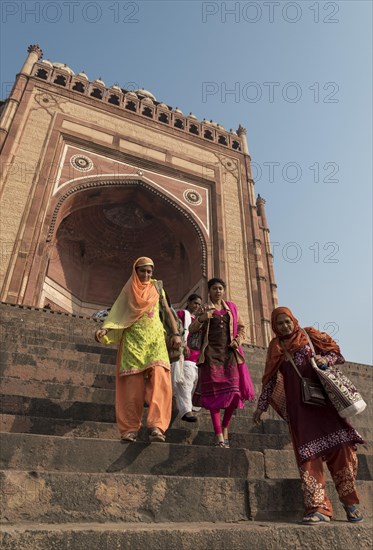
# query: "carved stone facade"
93,177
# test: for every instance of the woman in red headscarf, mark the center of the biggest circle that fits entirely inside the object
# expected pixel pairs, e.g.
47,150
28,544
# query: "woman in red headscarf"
317,433
143,367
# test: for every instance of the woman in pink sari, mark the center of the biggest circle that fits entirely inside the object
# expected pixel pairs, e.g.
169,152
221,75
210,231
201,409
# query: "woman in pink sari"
224,379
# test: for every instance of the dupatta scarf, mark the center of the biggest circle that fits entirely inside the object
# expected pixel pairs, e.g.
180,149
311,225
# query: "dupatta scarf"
135,299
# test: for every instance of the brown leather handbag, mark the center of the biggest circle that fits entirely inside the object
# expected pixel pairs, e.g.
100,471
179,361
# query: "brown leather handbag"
312,392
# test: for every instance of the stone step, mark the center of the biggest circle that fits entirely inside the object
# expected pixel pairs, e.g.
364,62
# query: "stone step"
57,370
79,367
77,412
85,497
72,496
57,350
19,323
57,391
178,433
97,404
59,383
218,535
68,359
199,433
84,364
30,320
35,335
88,366
56,453
64,371
28,409
57,374
77,357
14,333
25,405
41,343
54,408
44,453
80,370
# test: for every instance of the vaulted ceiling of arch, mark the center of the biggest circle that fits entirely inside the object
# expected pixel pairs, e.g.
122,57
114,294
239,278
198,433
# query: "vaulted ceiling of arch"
112,222
106,229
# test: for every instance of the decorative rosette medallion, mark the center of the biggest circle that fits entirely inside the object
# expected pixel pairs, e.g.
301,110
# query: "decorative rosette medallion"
192,196
81,163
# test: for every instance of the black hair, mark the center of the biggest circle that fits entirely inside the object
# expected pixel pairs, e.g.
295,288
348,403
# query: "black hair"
193,296
215,281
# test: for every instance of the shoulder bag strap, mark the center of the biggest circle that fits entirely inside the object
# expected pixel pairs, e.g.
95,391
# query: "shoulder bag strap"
309,341
289,357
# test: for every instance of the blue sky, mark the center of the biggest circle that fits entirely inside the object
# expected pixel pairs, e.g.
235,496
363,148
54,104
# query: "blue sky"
300,77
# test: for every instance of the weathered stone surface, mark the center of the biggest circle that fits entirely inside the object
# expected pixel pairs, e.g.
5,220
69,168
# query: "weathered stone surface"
79,413
194,536
65,496
48,453
199,433
62,460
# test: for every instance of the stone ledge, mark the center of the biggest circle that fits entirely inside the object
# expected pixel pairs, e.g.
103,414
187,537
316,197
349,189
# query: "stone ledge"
85,455
196,536
73,497
44,310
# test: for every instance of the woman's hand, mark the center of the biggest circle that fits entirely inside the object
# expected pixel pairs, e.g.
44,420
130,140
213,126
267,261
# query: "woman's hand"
100,333
257,416
176,341
205,315
233,344
321,361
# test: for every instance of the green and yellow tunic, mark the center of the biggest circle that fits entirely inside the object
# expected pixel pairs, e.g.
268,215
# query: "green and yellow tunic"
142,345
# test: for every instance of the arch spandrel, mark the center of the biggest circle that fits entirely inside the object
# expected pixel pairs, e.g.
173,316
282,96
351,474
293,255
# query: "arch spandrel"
81,165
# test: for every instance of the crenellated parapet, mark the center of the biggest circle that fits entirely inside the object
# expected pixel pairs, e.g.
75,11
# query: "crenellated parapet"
140,101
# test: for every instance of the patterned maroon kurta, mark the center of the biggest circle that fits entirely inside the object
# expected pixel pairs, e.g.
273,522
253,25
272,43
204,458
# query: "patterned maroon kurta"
315,431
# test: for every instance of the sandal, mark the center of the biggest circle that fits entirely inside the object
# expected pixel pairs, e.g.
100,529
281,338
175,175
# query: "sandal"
130,436
353,513
189,417
226,443
157,436
315,517
220,444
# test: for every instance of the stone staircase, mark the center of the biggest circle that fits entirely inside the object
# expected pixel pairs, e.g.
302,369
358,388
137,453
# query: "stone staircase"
67,482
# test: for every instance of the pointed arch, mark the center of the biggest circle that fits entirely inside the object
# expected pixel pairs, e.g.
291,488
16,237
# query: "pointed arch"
98,227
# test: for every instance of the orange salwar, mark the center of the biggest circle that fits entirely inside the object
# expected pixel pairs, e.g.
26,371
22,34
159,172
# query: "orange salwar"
342,465
152,386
